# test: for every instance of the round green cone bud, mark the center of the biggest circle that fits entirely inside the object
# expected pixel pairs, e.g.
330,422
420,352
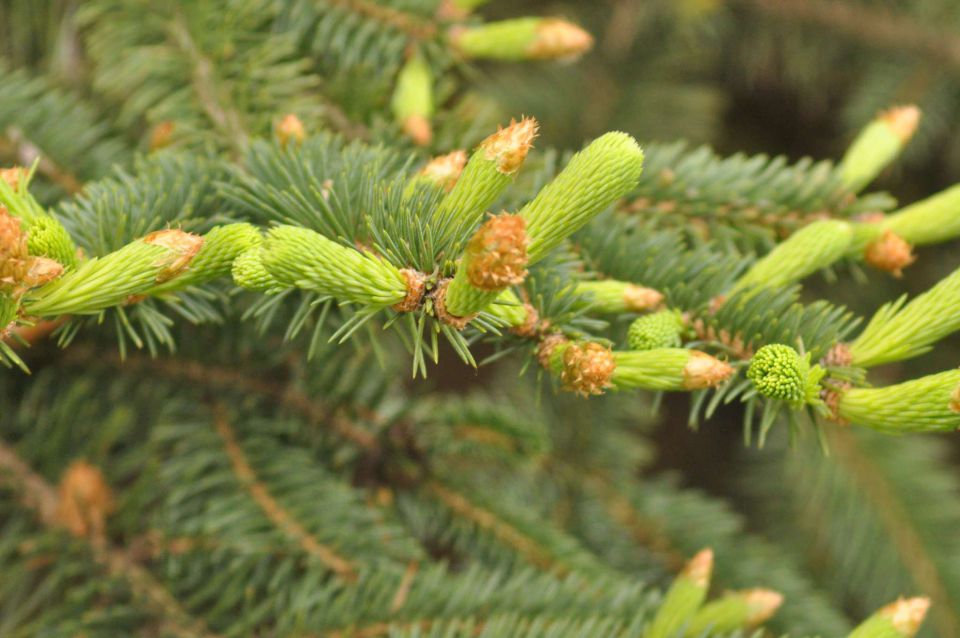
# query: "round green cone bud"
658,330
780,372
806,251
596,177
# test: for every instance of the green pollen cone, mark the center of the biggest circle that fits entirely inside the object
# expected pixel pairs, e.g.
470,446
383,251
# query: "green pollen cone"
658,330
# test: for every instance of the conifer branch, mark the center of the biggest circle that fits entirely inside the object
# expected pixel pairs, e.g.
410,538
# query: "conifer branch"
42,498
415,27
280,517
915,558
527,547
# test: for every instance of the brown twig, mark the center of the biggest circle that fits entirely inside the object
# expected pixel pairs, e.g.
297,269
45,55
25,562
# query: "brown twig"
274,511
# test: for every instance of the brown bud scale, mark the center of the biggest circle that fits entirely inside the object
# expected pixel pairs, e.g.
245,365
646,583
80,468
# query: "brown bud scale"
508,147
497,253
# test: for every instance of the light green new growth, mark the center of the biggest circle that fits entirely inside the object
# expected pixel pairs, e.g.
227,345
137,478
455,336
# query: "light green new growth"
899,331
249,272
489,171
780,372
658,330
734,611
806,251
901,619
877,146
463,299
684,598
9,310
610,296
596,177
509,309
522,39
495,259
110,280
468,5
927,404
221,246
668,369
303,258
412,102
46,236
929,221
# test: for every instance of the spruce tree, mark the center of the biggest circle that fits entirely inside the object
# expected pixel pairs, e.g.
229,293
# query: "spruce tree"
305,334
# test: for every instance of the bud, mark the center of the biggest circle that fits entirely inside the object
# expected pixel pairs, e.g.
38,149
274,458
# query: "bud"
658,330
416,285
444,171
46,237
587,368
928,221
900,331
508,147
443,313
490,170
890,254
901,619
594,178
40,271
808,250
927,404
249,272
780,372
496,258
13,176
290,130
221,245
610,296
878,145
183,248
84,500
413,100
111,280
741,610
684,598
669,369
522,39
705,371
303,258
162,135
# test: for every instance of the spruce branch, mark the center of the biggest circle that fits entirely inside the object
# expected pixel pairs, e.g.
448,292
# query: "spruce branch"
41,497
339,565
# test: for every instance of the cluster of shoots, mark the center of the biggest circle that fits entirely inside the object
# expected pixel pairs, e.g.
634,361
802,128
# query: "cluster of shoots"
686,609
45,276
